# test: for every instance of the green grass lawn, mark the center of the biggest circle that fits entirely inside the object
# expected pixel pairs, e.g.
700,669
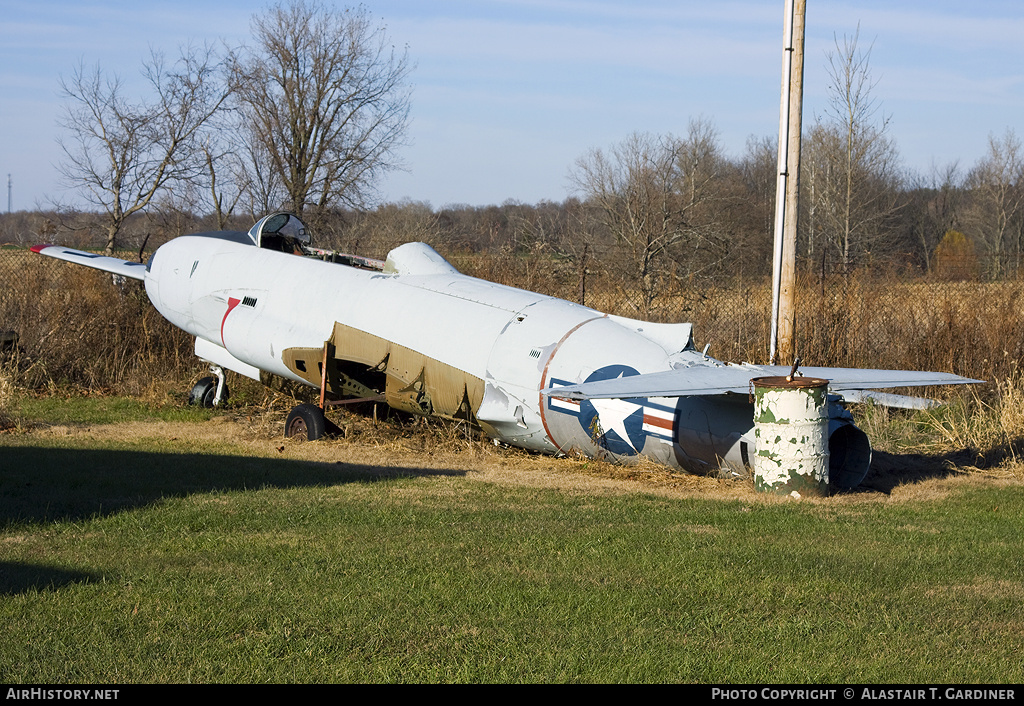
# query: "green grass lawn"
144,561
99,409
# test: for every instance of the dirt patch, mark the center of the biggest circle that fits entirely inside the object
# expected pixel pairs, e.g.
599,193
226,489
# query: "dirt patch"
984,588
440,447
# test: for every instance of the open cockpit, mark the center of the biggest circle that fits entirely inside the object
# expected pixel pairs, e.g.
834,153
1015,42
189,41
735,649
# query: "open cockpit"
285,232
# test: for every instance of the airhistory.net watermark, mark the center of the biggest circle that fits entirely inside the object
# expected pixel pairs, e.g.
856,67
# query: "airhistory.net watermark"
62,694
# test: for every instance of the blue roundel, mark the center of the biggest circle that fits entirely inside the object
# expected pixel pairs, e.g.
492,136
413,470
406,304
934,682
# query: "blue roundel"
616,425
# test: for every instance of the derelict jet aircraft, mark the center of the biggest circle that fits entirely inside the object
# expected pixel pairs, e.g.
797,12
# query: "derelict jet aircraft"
529,370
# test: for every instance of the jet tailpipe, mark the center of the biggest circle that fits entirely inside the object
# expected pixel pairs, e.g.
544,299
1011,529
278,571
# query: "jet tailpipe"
849,456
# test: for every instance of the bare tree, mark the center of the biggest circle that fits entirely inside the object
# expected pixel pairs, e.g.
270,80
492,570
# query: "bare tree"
651,193
759,168
325,96
121,153
221,182
997,194
259,183
754,219
935,201
851,165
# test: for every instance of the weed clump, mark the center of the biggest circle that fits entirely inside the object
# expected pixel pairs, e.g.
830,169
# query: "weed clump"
974,431
7,421
78,329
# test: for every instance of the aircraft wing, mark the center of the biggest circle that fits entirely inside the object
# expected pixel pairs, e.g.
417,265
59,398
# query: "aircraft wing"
840,379
722,379
114,265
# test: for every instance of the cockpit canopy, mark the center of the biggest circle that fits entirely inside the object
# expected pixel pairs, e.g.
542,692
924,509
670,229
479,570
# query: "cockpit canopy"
281,231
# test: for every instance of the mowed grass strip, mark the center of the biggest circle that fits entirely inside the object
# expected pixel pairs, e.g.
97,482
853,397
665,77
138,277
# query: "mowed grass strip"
98,409
141,561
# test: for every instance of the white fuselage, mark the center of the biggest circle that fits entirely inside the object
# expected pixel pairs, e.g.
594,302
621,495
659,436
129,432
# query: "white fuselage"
251,304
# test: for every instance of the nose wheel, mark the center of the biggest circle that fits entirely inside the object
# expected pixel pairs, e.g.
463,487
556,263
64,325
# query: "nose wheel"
209,391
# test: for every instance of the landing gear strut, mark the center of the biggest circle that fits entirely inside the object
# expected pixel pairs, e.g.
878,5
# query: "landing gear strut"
209,391
307,421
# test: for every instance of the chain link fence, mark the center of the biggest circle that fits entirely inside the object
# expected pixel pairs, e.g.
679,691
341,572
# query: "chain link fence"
62,324
59,316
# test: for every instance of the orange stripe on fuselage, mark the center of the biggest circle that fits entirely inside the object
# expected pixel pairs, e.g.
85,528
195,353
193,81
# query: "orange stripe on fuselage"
544,377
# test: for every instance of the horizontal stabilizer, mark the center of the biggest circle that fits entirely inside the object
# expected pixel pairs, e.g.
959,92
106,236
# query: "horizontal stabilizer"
114,265
722,379
866,379
886,399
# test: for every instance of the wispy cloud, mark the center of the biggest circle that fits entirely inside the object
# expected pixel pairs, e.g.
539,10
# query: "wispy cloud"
525,86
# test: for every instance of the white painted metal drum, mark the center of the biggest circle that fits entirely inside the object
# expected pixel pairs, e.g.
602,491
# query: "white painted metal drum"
791,419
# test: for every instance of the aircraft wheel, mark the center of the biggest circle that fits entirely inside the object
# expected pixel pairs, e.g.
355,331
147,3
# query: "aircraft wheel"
307,422
204,391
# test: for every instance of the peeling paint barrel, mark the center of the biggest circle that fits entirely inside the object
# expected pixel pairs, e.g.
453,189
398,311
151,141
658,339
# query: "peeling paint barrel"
791,435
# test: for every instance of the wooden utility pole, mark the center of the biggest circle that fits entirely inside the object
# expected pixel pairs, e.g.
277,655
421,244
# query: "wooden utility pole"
783,330
787,298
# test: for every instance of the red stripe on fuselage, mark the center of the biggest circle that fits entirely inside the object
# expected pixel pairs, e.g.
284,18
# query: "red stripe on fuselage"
232,303
658,422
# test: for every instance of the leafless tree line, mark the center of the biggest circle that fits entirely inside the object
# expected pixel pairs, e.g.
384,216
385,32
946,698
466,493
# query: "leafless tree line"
315,110
306,117
679,208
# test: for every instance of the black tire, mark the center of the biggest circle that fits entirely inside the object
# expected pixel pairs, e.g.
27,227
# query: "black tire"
305,422
204,391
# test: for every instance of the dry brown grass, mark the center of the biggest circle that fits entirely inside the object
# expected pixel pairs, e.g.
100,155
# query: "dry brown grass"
79,331
7,420
77,328
974,329
858,320
388,444
973,439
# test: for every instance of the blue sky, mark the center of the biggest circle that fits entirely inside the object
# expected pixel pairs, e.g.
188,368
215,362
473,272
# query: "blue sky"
508,94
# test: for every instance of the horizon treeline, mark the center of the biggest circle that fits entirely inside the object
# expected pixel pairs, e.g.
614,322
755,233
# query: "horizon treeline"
714,219
314,111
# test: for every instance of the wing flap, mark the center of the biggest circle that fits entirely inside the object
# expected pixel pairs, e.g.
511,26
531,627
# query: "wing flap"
114,265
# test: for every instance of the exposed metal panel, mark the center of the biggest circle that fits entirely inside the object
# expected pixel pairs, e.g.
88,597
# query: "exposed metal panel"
414,382
359,346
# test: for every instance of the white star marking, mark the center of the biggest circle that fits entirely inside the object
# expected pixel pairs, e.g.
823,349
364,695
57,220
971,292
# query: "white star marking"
612,415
